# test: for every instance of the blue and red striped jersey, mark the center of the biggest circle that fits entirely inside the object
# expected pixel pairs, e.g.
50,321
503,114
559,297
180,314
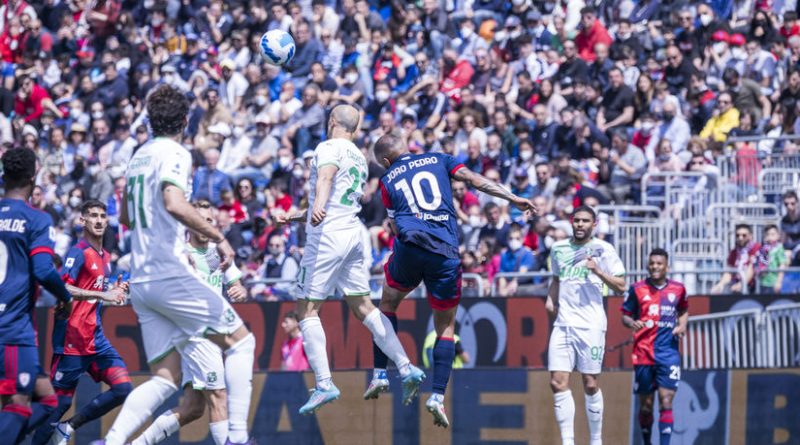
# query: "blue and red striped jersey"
417,195
82,332
659,310
24,232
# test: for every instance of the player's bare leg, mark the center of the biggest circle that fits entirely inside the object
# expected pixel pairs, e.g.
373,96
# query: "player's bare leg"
594,408
385,337
646,416
390,301
444,352
239,351
564,406
665,396
145,398
191,408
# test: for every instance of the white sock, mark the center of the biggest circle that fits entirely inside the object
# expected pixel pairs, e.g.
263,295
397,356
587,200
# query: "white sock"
594,411
386,339
314,345
565,416
239,381
163,427
219,431
138,407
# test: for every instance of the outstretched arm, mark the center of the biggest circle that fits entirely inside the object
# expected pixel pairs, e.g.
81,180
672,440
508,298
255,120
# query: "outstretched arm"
492,188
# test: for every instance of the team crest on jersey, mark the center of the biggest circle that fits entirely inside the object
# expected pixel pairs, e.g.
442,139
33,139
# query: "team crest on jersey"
24,379
59,375
69,262
52,234
671,298
211,377
229,315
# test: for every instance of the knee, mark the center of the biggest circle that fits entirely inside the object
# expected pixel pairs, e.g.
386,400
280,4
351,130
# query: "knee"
590,387
558,384
121,391
646,408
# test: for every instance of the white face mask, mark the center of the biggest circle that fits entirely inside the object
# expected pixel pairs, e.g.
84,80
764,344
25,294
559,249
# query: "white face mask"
97,114
93,170
719,47
466,32
515,34
494,153
739,53
157,22
400,107
499,36
706,19
74,201
381,95
238,132
351,78
75,113
261,101
517,2
297,173
475,221
525,155
275,251
548,241
128,110
284,161
624,36
515,244
647,126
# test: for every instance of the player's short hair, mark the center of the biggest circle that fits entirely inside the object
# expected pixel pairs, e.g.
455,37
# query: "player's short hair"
659,252
92,204
744,226
387,144
587,209
167,108
19,167
292,314
201,204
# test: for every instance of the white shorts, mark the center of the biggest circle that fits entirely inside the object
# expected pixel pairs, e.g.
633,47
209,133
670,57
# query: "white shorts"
172,311
333,261
202,365
572,348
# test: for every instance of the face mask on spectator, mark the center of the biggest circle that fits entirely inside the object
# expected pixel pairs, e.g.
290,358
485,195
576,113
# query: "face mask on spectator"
548,241
494,153
381,95
351,77
128,110
157,21
297,173
466,32
75,113
526,155
261,101
275,251
515,244
647,126
501,35
706,19
74,201
515,33
97,114
284,161
739,53
517,2
93,170
475,221
664,157
238,131
400,107
719,47
624,36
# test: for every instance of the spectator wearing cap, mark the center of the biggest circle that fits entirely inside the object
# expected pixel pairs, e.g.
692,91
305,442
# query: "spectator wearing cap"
617,106
306,126
307,51
724,119
591,33
169,76
627,164
738,53
678,72
718,57
233,86
77,146
209,183
747,94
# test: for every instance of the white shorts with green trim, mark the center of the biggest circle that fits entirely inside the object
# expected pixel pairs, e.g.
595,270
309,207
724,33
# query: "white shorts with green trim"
202,365
333,261
576,348
172,311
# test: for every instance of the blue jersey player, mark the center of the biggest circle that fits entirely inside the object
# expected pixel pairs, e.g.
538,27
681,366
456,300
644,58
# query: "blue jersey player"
26,251
656,309
416,192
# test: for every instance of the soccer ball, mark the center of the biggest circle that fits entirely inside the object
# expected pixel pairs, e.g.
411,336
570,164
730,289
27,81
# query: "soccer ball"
277,47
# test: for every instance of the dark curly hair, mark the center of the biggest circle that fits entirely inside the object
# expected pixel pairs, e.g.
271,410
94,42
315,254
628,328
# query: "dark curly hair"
19,168
167,108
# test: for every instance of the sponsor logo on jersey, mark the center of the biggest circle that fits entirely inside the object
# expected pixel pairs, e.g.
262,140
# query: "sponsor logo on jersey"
646,298
98,283
652,310
94,266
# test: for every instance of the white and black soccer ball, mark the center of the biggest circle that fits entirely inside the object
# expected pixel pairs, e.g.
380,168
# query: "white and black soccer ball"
277,47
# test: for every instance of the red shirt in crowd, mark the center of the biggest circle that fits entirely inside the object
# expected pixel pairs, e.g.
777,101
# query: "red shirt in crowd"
236,211
31,108
588,38
743,258
457,79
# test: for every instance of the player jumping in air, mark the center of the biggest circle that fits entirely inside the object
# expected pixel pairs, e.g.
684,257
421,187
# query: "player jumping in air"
582,267
173,303
334,257
26,257
79,344
416,192
657,310
206,261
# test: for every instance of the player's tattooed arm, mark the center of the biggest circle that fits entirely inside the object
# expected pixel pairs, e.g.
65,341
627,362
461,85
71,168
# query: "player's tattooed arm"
298,216
116,295
492,188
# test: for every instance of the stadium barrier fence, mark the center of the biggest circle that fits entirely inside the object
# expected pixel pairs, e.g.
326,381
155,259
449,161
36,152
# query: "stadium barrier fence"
733,339
783,335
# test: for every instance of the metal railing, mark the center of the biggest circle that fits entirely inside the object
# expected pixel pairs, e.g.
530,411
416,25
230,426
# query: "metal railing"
773,182
635,231
727,340
539,278
783,335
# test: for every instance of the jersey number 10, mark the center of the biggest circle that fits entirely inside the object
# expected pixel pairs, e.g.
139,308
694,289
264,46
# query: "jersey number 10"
414,194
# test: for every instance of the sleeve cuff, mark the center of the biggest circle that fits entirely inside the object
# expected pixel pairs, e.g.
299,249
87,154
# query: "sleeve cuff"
456,168
173,182
42,249
335,164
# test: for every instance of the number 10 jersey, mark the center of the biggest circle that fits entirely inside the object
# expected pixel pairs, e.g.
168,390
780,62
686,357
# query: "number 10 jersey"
157,239
417,194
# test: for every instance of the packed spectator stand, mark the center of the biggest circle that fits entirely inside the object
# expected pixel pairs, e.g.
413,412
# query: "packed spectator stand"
676,119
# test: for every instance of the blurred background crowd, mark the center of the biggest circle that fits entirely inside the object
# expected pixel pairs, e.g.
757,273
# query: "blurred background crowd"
566,102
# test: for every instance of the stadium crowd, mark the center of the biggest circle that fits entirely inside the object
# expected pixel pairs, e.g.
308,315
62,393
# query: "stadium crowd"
565,102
